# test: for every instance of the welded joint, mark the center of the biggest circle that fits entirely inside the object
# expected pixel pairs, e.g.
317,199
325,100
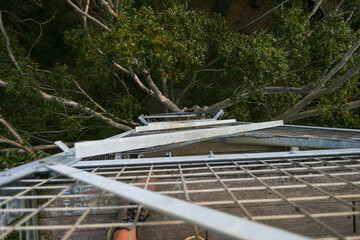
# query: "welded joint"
142,120
64,148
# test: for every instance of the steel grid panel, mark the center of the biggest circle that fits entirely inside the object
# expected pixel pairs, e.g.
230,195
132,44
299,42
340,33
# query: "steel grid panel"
321,193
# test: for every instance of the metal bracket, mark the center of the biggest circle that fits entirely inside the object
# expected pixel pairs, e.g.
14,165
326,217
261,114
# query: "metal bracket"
219,114
63,147
142,119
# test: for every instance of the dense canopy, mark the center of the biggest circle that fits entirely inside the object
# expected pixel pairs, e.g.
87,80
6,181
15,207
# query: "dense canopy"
78,70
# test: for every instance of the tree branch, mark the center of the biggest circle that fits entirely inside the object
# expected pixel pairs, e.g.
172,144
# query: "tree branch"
108,8
154,91
193,80
3,84
339,5
87,15
18,145
39,147
7,41
86,11
164,100
316,7
319,91
316,112
86,110
11,130
91,100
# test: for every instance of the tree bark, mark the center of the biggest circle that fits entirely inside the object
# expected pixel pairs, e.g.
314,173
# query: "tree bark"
18,145
316,112
87,110
316,7
11,130
7,41
76,105
108,8
88,16
319,90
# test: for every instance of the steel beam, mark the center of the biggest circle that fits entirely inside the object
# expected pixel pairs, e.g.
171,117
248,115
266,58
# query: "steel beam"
13,174
219,114
107,146
225,225
181,124
298,141
222,157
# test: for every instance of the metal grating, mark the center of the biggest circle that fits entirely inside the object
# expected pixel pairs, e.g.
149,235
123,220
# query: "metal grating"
318,197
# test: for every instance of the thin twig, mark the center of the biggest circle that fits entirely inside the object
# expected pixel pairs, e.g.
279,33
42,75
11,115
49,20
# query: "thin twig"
88,16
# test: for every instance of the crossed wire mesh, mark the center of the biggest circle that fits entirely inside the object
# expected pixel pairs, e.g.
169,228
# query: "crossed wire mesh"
317,197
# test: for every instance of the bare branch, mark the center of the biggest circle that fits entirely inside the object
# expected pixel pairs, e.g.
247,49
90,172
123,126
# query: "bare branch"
86,11
87,110
108,8
303,90
36,3
87,15
158,94
118,65
339,5
193,80
18,145
116,6
39,147
8,45
316,7
110,3
316,112
11,130
3,84
91,100
319,91
155,92
220,105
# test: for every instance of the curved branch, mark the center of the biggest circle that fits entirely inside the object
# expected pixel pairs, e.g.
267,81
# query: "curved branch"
3,84
154,91
86,95
7,41
319,90
158,94
316,7
86,110
316,112
18,145
88,16
108,8
11,130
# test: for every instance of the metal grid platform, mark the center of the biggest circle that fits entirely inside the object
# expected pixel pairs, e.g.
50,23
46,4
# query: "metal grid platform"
320,194
83,193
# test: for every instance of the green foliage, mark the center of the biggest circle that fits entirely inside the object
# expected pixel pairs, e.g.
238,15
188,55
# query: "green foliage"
12,159
175,43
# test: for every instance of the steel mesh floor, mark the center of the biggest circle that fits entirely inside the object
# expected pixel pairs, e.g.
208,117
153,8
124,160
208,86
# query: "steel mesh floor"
316,197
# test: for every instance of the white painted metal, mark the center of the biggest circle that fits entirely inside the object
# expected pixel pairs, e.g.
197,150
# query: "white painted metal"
221,157
226,225
107,146
62,146
181,124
